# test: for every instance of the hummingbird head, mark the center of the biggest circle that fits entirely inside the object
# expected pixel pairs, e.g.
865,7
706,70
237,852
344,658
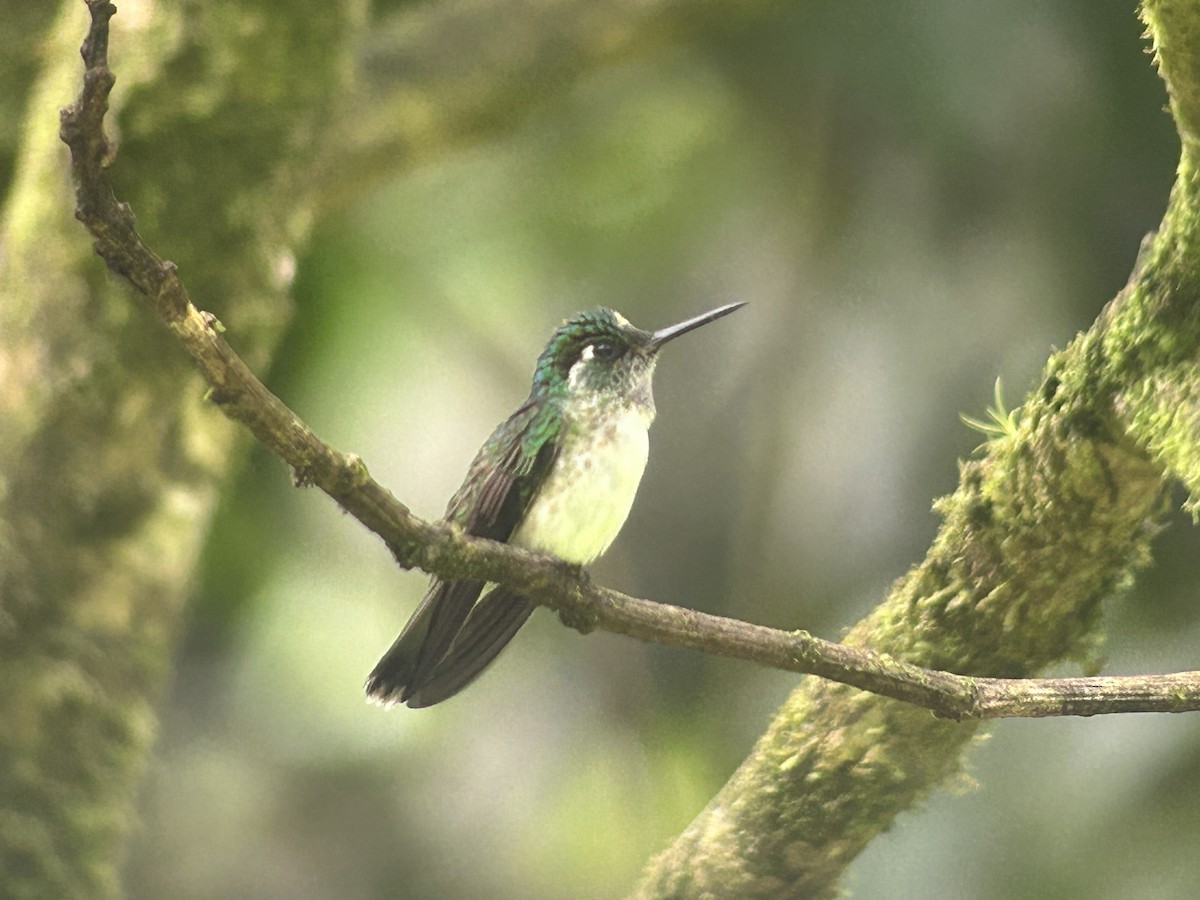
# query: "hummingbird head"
599,353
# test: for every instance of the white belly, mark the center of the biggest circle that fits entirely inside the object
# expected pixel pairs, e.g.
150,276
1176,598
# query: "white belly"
589,492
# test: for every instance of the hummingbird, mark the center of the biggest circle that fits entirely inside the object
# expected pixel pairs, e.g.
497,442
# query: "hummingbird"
557,476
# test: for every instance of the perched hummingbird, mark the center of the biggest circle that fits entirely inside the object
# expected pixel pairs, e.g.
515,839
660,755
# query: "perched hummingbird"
557,476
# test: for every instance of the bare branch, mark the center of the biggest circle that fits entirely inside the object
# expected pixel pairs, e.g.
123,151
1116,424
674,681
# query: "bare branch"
444,551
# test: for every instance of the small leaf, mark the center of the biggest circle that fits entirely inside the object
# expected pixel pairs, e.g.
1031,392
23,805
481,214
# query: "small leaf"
1000,422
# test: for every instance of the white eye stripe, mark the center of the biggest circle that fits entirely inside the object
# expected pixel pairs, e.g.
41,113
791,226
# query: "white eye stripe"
576,372
589,352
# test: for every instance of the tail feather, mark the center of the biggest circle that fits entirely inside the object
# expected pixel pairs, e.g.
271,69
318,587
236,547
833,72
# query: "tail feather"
389,681
492,624
423,642
448,641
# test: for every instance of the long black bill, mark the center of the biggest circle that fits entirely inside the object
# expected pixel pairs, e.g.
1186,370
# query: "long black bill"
671,332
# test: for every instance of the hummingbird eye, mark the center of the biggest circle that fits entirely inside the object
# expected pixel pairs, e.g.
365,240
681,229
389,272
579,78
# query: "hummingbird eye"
605,350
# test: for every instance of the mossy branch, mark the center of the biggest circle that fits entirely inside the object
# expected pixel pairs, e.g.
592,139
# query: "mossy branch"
1056,515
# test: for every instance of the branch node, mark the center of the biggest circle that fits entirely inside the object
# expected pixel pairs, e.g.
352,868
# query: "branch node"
171,298
221,396
210,320
349,474
303,476
354,473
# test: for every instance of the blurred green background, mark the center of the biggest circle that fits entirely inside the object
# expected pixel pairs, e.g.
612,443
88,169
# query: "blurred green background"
915,198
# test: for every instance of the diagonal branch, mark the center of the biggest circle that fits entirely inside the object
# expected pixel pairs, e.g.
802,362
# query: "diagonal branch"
1056,516
445,551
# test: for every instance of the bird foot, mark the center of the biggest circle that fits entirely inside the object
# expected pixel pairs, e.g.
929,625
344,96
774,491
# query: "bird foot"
579,616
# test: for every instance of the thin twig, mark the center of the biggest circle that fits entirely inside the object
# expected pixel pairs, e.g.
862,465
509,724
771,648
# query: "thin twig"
443,550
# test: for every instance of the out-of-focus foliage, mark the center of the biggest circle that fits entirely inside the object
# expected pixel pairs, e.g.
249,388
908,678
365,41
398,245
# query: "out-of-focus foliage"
916,198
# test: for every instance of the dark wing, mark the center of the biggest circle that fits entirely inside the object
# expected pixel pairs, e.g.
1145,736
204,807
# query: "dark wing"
499,487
